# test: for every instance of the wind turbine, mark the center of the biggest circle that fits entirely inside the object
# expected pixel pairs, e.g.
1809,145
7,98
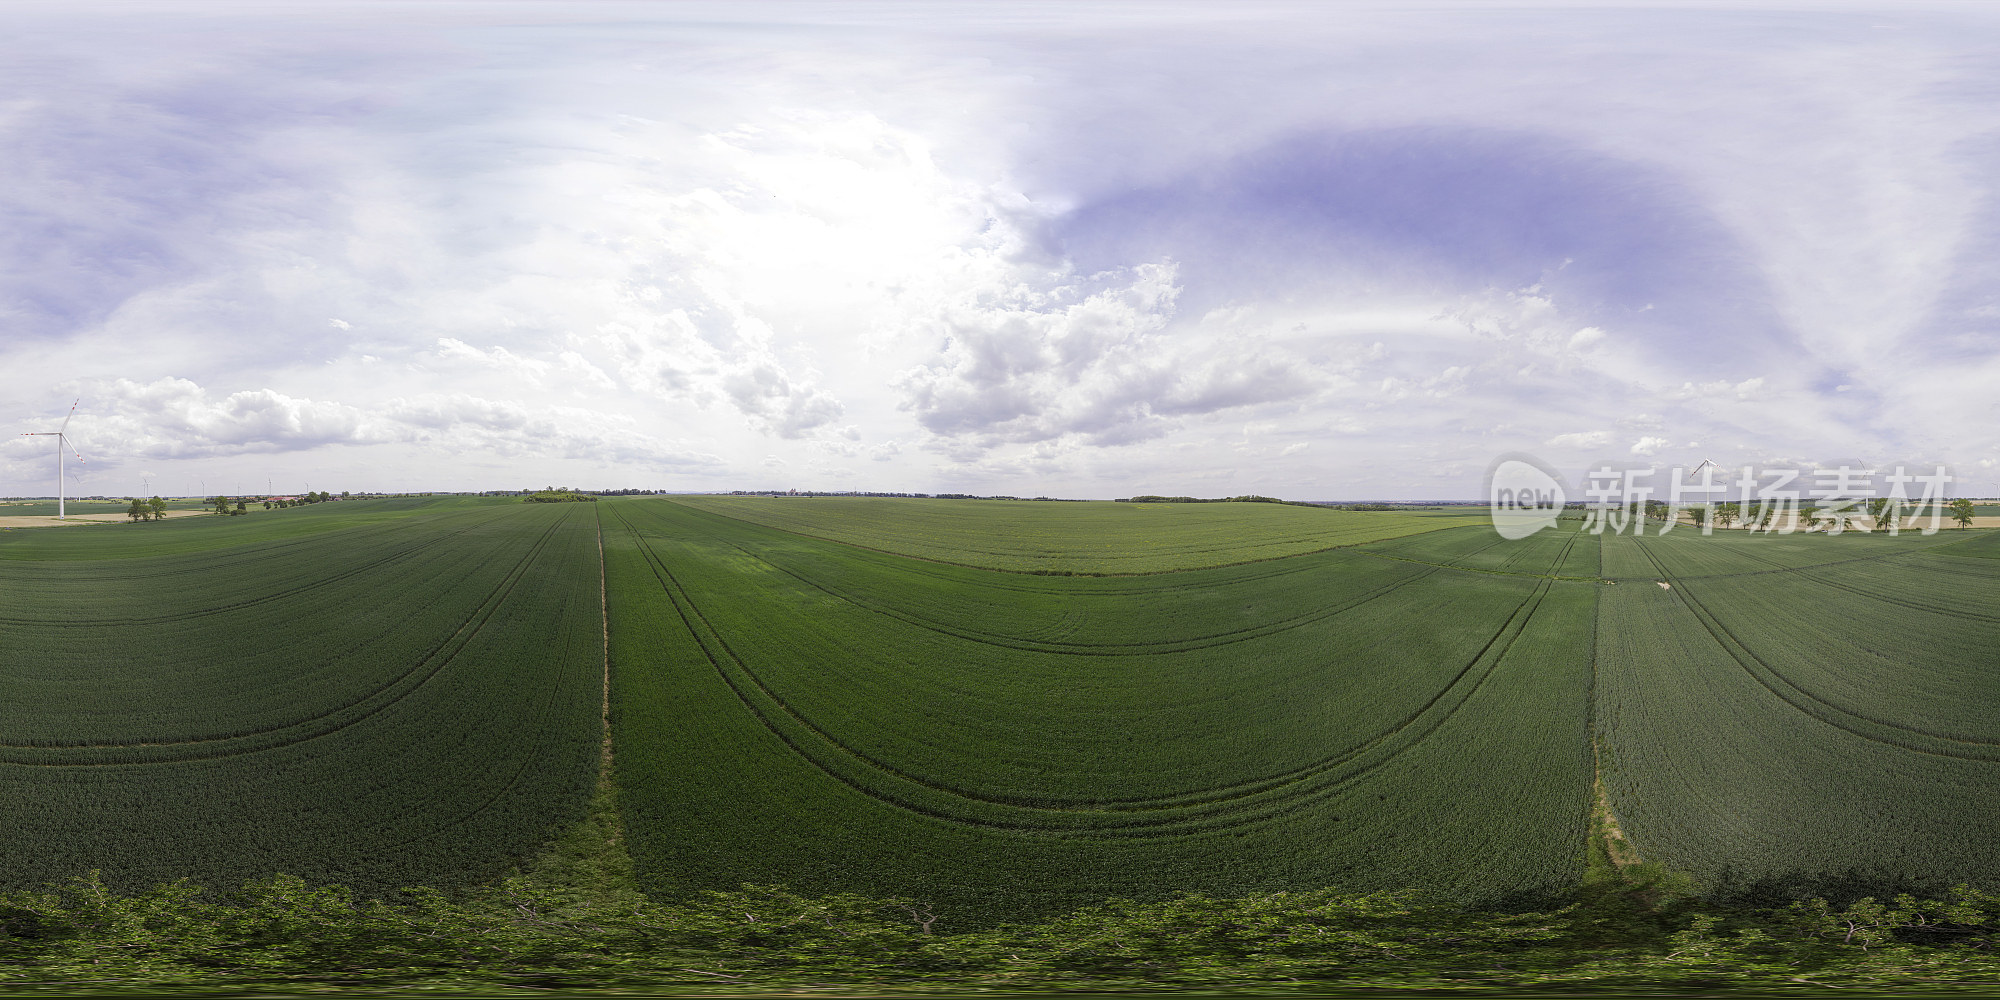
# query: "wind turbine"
63,449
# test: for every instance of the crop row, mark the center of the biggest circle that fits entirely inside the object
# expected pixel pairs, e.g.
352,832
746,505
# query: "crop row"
770,725
1808,729
437,721
1095,538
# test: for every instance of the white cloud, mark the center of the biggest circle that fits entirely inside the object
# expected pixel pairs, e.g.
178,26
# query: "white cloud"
497,358
1580,439
174,418
1088,358
1649,445
447,253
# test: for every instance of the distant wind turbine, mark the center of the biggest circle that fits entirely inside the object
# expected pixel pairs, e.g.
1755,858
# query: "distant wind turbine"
63,450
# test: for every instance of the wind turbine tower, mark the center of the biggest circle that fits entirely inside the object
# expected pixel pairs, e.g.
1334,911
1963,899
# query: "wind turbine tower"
63,450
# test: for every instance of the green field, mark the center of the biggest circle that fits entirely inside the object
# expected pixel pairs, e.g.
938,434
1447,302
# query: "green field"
374,693
1006,708
1088,538
788,709
1805,712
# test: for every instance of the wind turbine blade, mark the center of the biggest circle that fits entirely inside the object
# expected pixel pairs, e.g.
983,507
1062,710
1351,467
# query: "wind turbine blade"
72,416
72,448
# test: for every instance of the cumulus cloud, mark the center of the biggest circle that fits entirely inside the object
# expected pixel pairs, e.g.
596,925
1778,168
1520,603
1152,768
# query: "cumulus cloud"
1091,359
1580,439
174,418
1718,388
497,358
768,394
893,258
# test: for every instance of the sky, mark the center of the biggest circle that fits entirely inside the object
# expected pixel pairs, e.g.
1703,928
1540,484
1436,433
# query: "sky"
1315,251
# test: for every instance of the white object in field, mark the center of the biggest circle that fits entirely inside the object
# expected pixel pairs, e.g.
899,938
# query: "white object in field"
62,454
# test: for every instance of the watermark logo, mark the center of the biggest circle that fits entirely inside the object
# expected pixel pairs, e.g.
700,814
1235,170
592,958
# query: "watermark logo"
1524,496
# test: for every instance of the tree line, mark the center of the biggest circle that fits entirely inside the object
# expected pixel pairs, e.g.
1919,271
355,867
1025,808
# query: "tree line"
1880,511
155,508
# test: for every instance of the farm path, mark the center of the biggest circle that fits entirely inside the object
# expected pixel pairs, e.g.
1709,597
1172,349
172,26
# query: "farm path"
75,520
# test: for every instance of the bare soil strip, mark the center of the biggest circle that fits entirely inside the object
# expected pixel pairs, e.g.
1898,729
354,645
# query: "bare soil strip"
604,619
51,521
615,832
1604,822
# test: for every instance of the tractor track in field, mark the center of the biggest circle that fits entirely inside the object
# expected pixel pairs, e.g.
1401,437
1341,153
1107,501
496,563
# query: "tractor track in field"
604,623
1777,567
261,599
1189,644
528,761
1557,563
1807,575
1205,811
454,642
1606,825
1031,572
1809,704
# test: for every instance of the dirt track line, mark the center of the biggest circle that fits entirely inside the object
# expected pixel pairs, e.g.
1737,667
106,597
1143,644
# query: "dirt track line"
463,636
1030,572
604,615
1166,647
415,548
1829,713
1197,809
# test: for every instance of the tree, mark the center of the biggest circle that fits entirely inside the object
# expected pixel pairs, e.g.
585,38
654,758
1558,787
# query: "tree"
158,507
138,511
1766,517
1881,513
1810,517
240,509
221,504
1961,511
1726,514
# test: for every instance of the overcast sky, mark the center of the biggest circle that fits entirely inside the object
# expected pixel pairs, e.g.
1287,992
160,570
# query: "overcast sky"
1318,251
